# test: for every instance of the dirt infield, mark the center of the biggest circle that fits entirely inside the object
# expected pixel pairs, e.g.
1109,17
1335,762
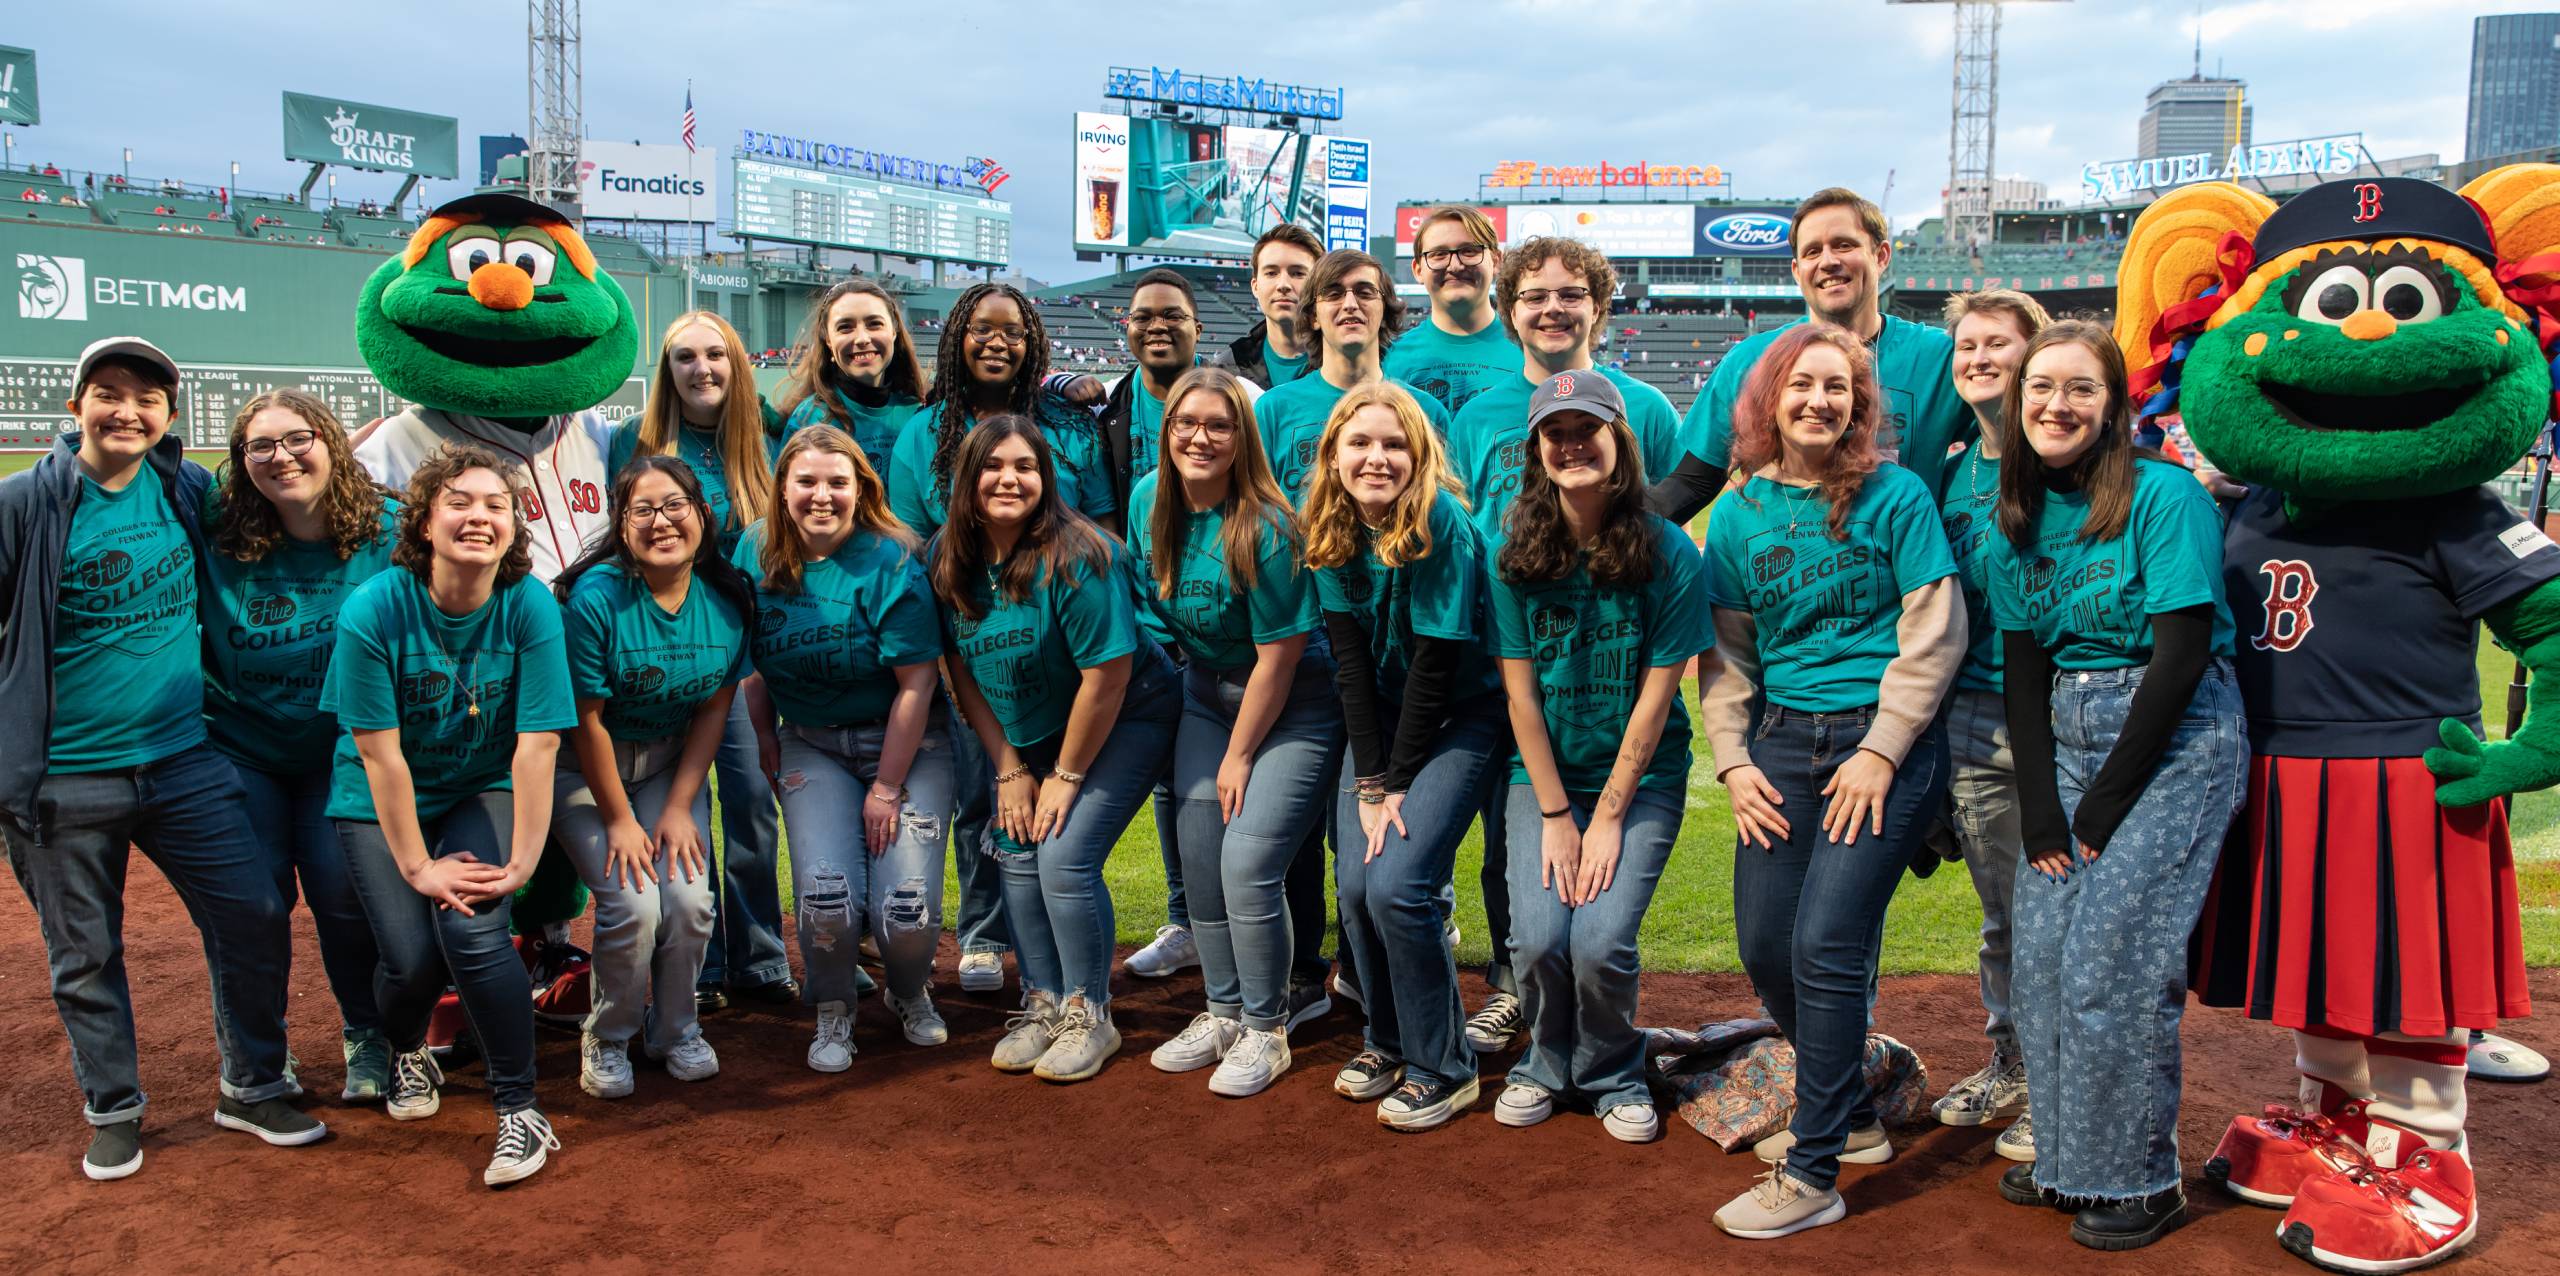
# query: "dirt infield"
922,1159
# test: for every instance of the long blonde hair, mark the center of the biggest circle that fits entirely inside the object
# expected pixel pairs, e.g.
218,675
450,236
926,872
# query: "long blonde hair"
783,555
1332,520
1254,499
739,441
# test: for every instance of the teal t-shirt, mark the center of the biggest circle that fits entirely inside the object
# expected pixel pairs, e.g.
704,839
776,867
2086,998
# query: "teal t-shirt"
1970,511
1489,438
1915,363
1075,442
1214,625
699,449
128,680
875,430
1449,368
1440,596
652,667
402,663
1591,648
269,627
1825,610
828,650
1281,371
1146,428
2091,604
1028,657
1292,417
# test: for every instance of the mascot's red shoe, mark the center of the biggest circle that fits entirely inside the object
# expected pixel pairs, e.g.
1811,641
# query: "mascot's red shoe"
2368,1219
563,987
2265,1159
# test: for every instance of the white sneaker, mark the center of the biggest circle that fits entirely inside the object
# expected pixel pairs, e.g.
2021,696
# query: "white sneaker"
1027,1035
1780,1204
831,1050
2018,1142
1491,1029
525,1145
1523,1105
1996,1093
1204,1041
1343,988
693,1060
917,1018
1085,1042
1256,1060
604,1067
414,1078
1172,950
1632,1123
981,972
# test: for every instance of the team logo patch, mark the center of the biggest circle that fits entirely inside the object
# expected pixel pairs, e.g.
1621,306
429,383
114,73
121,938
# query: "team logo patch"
2291,585
1564,385
2524,539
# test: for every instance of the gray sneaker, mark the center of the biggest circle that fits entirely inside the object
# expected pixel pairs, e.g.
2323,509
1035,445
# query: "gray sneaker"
368,1067
1085,1042
1027,1034
276,1120
1491,1029
115,1151
1996,1093
1780,1204
2018,1142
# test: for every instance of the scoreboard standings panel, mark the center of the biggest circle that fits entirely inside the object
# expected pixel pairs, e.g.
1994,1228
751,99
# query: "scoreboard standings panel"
845,210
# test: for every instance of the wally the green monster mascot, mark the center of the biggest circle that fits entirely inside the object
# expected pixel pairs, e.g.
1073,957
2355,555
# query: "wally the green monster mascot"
2364,358
499,329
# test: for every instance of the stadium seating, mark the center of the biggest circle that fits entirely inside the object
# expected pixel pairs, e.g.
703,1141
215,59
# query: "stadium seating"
276,212
132,207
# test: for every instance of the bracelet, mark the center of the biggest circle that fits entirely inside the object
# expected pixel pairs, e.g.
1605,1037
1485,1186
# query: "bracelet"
1020,771
893,797
1559,813
1371,784
1368,798
1071,777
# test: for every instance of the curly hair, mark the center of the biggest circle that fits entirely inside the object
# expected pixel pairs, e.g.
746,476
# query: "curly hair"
948,404
784,554
1054,538
1585,261
613,545
410,547
1334,532
1755,417
1538,546
246,525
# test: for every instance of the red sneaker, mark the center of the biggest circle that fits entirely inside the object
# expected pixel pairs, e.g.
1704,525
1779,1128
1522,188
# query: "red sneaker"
562,975
2368,1219
2264,1159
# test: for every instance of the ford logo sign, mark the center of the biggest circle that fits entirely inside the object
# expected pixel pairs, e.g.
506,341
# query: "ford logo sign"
1744,232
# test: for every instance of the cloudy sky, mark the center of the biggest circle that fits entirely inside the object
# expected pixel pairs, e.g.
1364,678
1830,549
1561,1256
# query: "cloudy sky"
1789,95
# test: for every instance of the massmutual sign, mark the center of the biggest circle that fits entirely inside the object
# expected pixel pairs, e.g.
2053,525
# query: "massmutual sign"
2113,180
1227,93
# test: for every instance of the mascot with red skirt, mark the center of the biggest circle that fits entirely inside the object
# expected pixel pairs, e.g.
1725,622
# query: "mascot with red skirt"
2365,357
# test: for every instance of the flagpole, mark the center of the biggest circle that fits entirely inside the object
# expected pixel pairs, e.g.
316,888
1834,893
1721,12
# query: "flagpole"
688,165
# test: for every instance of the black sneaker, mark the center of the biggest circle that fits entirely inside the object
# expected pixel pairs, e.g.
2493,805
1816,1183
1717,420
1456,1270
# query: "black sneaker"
2131,1224
1307,1000
275,1120
2018,1187
115,1151
781,992
1369,1075
710,999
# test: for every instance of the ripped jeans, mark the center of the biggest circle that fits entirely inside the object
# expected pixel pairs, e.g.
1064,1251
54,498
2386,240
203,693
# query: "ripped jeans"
649,937
843,887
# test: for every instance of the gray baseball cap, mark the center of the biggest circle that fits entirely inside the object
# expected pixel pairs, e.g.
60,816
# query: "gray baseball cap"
126,348
1584,390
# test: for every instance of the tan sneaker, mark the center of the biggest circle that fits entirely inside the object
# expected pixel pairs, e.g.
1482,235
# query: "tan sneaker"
1086,1040
1866,1147
1780,1204
1027,1034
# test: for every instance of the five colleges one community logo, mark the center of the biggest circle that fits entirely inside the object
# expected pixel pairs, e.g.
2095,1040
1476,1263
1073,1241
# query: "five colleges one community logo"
51,287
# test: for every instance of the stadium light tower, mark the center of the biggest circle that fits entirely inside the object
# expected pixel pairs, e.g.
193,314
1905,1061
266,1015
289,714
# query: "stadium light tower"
555,94
1973,132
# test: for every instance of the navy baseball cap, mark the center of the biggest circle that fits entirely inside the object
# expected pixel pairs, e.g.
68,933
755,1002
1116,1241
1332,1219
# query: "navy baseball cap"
2375,208
1583,390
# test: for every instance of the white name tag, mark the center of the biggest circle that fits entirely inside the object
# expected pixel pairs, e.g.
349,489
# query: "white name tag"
2523,539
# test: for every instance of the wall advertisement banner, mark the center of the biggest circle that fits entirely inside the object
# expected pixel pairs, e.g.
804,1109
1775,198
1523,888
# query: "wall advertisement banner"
1101,187
330,130
649,182
18,86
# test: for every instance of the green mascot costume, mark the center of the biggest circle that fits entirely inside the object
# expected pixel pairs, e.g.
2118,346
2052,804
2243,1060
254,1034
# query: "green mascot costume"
496,325
2365,357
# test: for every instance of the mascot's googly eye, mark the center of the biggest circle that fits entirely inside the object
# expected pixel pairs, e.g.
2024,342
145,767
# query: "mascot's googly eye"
468,255
2336,293
2407,294
533,259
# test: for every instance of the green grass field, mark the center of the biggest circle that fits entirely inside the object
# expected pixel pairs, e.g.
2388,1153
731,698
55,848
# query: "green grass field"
1690,926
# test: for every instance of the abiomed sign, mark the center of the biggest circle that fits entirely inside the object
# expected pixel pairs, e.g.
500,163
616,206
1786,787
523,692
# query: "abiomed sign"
328,130
1227,93
2313,156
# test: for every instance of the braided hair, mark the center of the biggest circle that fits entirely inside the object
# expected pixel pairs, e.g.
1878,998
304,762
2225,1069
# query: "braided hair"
949,401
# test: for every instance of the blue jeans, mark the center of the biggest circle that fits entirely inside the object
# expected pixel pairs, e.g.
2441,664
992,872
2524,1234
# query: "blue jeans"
649,937
290,815
2101,954
425,947
1578,966
980,927
1177,902
1809,916
845,886
746,923
1054,897
1494,877
1391,911
186,813
1240,914
1985,790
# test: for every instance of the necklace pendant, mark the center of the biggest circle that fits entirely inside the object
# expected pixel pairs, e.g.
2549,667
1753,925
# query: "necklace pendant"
475,711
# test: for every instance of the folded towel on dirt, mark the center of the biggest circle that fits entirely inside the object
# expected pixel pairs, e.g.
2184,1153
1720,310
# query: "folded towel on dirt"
1735,1081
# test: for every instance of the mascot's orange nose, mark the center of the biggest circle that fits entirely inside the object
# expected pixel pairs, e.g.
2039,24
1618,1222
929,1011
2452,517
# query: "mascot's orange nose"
2363,325
503,286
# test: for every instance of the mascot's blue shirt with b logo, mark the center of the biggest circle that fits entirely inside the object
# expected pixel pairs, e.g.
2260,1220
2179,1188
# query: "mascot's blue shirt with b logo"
827,649
651,667
2348,646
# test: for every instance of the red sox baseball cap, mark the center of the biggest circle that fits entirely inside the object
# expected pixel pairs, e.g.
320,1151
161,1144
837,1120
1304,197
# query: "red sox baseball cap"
1582,390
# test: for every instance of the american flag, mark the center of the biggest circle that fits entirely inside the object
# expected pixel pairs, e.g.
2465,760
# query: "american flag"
686,129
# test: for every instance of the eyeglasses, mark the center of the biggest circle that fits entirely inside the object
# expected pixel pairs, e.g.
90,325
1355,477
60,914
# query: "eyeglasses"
1336,292
294,444
1151,318
1013,333
1566,297
2079,394
1218,431
1463,254
676,508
